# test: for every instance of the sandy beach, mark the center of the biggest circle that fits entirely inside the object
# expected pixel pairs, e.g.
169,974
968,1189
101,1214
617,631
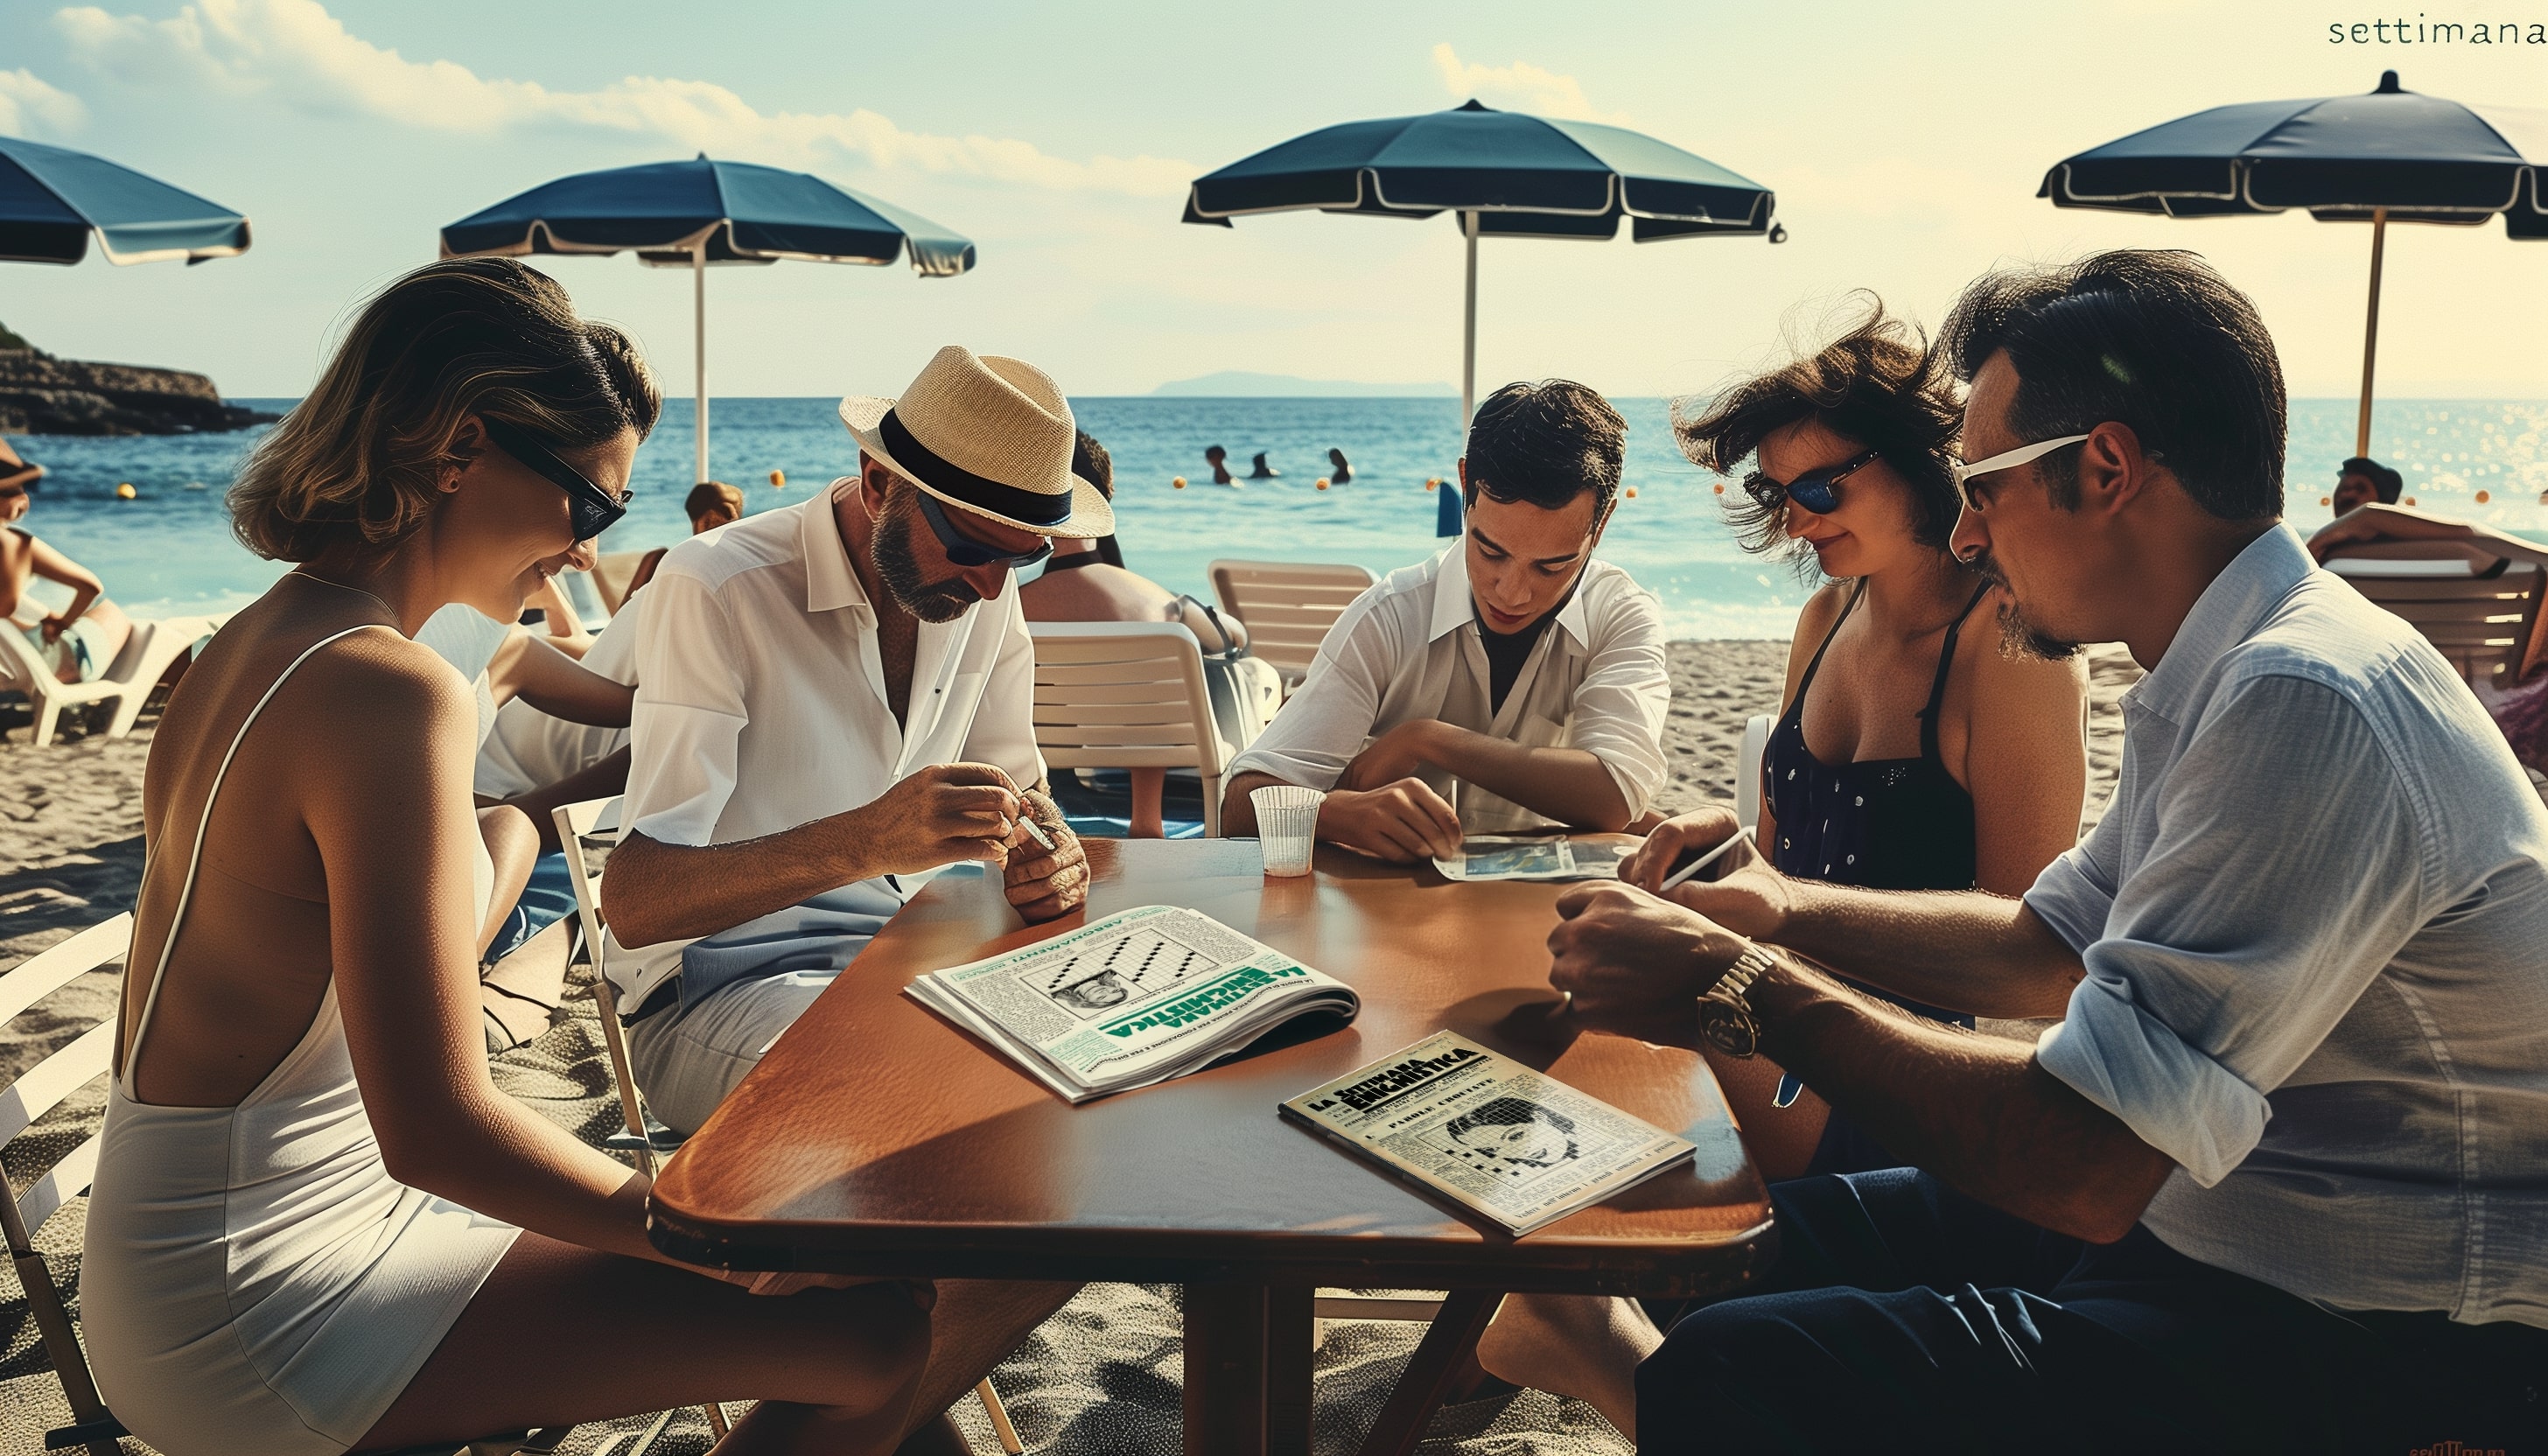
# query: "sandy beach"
1100,1377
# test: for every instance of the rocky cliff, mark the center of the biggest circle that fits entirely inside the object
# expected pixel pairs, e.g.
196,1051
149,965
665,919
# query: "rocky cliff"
43,394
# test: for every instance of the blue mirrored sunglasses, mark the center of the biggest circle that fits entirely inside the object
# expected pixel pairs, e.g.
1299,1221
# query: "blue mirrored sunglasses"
1818,491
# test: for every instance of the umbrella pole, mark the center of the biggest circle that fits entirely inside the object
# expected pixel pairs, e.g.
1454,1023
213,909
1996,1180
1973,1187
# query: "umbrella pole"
1469,326
2370,332
699,336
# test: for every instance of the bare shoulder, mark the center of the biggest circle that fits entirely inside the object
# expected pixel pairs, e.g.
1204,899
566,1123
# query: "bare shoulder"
2007,681
379,687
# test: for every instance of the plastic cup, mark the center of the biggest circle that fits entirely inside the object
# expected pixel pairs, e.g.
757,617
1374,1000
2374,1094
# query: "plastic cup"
1287,826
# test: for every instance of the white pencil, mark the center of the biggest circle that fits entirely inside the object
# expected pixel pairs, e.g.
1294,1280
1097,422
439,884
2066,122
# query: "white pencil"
1036,832
1710,858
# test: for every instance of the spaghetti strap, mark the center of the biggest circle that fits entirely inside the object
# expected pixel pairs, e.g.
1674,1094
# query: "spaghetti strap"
1806,681
125,1080
1938,685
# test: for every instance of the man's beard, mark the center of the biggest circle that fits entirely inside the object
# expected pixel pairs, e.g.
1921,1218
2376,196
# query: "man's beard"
2017,634
899,565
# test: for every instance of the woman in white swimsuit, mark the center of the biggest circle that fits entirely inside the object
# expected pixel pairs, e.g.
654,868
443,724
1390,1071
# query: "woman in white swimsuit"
317,1226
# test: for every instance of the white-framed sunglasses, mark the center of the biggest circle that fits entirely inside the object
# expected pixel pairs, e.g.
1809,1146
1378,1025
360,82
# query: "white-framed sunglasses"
2006,458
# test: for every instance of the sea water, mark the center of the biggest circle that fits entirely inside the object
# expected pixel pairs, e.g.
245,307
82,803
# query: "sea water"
169,548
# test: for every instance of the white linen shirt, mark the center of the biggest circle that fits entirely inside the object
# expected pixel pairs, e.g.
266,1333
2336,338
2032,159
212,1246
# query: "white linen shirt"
761,699
1409,648
2314,923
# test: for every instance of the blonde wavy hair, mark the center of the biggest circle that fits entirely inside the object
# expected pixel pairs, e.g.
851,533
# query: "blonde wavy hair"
361,458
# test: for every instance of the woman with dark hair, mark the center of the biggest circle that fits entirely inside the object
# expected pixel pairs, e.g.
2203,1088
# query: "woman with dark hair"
317,1226
1911,752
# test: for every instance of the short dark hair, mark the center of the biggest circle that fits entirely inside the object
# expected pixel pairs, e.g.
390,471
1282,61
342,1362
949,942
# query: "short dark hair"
1546,442
1877,385
2153,340
1090,462
2384,483
709,495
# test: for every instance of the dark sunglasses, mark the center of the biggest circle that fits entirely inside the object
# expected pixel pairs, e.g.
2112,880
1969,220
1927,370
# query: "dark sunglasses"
590,508
962,550
1818,491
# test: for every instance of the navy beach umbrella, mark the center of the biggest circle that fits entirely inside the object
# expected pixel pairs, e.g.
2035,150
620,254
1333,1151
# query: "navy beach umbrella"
2393,155
1503,174
701,214
53,200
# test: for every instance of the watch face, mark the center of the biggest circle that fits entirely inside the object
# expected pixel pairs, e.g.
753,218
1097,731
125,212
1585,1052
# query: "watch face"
1729,1032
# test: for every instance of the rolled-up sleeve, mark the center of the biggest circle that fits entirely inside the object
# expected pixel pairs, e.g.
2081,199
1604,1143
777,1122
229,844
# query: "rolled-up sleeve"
1003,727
2236,944
1329,717
1626,694
690,713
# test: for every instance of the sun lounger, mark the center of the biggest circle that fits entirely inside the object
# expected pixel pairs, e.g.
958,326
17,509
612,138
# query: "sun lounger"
1286,606
127,681
611,576
2480,609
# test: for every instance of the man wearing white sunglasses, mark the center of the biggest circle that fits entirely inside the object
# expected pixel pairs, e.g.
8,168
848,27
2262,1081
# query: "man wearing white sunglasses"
2277,1179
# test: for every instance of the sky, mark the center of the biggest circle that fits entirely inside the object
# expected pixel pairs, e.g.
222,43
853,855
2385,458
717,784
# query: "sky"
1904,141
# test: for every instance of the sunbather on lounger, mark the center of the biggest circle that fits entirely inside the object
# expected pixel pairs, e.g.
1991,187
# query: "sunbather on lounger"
82,638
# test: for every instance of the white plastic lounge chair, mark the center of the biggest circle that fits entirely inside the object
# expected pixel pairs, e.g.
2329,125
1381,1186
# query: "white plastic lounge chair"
1128,696
2476,607
1747,770
38,1091
1286,606
125,682
588,849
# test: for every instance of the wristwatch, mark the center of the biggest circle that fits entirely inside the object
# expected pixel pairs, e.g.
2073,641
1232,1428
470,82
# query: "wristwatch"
1724,1015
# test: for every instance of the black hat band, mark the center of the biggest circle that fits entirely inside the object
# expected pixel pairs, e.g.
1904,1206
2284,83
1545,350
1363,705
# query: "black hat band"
1031,507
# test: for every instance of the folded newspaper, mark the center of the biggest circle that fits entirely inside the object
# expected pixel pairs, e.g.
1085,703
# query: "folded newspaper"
1136,998
1487,1132
1506,856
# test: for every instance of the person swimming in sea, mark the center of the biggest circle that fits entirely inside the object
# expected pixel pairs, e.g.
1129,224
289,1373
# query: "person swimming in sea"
1263,471
1219,459
1344,473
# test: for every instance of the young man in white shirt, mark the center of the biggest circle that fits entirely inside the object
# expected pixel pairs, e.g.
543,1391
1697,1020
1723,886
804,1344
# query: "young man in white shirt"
2277,1177
1511,683
833,702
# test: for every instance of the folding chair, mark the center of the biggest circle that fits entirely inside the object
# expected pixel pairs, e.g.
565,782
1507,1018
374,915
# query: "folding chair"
1286,606
23,1215
1128,696
611,574
587,851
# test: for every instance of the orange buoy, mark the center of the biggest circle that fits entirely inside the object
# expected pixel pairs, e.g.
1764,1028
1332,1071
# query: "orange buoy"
1632,492
1432,482
779,480
1720,487
2322,499
1323,483
126,491
1179,483
2410,499
2480,497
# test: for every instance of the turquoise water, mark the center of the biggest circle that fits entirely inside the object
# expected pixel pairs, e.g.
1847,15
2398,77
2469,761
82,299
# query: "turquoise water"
170,549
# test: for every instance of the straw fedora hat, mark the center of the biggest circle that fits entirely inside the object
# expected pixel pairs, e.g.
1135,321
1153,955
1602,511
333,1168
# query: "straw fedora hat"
988,436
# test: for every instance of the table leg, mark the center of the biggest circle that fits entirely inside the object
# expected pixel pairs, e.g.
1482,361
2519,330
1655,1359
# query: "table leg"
1453,1334
1224,1396
1290,1338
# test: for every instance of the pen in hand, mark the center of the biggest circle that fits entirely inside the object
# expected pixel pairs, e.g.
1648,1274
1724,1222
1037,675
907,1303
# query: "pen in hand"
1679,877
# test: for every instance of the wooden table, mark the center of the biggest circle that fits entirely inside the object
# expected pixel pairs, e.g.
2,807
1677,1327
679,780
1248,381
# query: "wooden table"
877,1139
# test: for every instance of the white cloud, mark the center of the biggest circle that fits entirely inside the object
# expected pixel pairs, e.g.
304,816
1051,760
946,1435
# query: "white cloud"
28,106
1520,86
300,53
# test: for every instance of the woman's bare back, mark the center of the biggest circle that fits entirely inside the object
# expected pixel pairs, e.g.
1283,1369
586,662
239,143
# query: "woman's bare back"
253,960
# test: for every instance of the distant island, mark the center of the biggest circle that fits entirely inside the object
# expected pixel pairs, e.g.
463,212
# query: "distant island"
40,394
1240,384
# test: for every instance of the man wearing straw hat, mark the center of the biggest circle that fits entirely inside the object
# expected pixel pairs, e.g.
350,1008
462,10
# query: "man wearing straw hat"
834,703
